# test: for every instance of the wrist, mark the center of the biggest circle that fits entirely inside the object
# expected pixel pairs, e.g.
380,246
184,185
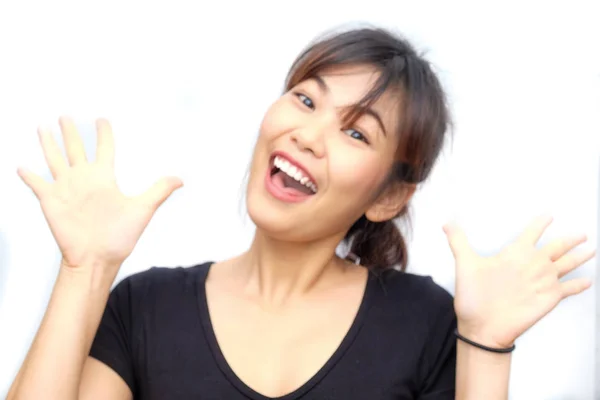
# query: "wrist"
92,277
485,336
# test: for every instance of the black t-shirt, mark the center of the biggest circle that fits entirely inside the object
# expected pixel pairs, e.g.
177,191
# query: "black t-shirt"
157,335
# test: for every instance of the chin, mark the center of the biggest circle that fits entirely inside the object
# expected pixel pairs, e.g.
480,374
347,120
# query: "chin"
284,225
289,225
269,219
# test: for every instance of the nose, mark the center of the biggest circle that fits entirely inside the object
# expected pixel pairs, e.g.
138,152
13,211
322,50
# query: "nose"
311,138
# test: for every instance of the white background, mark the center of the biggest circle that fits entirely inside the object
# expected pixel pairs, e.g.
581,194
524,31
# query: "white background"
185,85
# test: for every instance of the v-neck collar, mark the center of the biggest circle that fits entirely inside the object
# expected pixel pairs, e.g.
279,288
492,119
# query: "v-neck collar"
347,341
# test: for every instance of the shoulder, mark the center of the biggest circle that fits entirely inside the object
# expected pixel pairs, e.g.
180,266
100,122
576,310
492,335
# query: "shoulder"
416,313
159,283
417,291
409,300
166,275
419,315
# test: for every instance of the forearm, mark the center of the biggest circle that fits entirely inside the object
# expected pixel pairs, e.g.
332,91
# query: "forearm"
53,365
481,374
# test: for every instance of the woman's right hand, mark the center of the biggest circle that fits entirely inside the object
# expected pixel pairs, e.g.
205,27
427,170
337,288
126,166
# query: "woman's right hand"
92,221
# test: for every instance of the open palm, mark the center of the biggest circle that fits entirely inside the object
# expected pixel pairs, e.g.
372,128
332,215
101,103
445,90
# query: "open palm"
91,220
498,298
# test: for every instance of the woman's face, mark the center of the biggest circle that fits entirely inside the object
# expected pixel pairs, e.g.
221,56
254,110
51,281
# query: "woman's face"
312,177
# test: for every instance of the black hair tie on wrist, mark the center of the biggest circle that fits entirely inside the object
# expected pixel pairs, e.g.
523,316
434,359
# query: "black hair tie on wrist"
482,347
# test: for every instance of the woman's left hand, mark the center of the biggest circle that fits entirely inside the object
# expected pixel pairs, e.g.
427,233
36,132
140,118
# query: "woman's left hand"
498,298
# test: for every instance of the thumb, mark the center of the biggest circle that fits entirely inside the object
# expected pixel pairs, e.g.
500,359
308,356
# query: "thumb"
457,240
156,195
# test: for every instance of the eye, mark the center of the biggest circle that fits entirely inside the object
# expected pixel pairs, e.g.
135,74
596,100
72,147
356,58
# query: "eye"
305,100
353,133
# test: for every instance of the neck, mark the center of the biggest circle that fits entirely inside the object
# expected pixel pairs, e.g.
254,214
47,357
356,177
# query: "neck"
277,271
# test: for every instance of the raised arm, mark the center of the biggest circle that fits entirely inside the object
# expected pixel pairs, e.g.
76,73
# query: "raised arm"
498,298
96,228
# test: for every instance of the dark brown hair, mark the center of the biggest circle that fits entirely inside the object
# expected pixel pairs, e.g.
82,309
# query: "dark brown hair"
424,121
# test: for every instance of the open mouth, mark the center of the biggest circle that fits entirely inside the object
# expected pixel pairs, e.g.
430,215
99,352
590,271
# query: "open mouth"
288,181
288,176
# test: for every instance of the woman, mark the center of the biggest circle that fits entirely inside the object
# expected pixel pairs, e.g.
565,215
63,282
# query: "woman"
338,157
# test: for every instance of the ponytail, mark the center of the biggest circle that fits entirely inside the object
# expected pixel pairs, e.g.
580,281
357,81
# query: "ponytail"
424,119
379,245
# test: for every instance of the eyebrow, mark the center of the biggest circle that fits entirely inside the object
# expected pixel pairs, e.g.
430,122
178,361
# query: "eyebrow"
369,111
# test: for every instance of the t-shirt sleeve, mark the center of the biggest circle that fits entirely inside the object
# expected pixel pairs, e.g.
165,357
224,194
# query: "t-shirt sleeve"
112,344
438,364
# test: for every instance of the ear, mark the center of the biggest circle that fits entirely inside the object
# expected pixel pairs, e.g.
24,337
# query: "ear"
390,202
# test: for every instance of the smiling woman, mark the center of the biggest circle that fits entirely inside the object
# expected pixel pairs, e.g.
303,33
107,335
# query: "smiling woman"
338,158
391,119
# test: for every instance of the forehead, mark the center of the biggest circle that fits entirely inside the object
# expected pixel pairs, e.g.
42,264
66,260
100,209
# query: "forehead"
349,84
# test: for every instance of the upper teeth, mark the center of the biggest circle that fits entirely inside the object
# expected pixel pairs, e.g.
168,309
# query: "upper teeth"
291,170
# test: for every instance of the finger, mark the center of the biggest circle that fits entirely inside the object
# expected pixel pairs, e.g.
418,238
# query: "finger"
532,234
457,240
574,286
73,143
52,153
570,262
105,148
159,192
559,247
36,183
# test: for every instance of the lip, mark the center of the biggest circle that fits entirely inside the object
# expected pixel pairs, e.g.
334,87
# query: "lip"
295,163
276,191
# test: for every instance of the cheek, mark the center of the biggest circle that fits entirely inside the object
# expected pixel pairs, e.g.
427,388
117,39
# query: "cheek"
356,174
277,120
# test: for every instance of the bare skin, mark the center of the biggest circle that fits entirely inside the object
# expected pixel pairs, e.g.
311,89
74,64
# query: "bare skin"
83,207
294,337
285,289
